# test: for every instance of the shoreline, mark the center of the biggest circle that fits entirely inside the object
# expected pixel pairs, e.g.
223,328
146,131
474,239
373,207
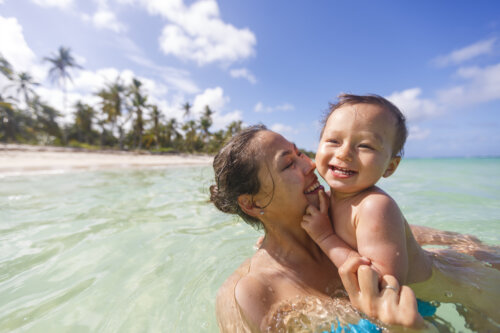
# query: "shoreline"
18,159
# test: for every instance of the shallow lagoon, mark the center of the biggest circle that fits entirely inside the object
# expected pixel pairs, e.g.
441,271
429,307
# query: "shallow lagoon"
143,250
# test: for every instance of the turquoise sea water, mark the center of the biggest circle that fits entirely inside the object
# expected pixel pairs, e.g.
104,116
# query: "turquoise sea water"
143,251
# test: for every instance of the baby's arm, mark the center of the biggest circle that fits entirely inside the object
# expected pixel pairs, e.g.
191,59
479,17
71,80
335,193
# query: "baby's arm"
380,235
317,224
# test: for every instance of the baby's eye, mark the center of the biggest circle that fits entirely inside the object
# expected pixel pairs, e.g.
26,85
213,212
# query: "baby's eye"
334,141
364,145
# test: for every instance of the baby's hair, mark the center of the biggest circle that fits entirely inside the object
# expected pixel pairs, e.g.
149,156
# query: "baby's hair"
350,99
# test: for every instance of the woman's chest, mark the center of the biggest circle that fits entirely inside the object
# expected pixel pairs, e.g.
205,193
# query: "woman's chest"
321,280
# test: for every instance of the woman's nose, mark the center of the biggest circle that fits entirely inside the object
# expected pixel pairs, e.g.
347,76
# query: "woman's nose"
309,165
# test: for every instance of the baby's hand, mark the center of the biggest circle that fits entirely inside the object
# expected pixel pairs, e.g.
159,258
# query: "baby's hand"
316,222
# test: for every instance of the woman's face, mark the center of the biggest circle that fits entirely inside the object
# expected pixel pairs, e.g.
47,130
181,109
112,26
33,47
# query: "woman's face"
288,182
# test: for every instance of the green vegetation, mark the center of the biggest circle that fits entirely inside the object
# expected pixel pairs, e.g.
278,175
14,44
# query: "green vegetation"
123,119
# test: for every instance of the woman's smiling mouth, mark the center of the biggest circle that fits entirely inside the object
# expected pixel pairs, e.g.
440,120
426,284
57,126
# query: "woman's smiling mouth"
315,187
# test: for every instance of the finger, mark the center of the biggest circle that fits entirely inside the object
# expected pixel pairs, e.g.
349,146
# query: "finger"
348,274
306,220
323,202
408,309
407,298
368,281
389,285
310,210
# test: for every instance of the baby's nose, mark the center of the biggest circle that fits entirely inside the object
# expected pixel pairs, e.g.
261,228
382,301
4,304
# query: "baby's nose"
343,152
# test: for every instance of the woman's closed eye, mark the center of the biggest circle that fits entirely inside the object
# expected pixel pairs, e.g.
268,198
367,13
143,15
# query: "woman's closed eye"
292,162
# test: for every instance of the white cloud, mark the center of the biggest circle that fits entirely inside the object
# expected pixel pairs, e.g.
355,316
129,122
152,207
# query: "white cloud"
55,98
220,121
466,53
413,106
259,107
15,50
86,83
482,85
63,4
106,19
282,129
243,73
13,46
212,97
417,133
197,32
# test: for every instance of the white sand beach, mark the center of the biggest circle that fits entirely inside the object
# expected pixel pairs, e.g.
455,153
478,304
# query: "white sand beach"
16,158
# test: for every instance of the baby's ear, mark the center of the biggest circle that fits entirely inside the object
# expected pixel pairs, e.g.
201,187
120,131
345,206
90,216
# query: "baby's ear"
393,165
247,205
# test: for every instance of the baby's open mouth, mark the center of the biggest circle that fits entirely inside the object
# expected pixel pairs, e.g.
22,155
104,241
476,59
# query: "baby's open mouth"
342,171
316,186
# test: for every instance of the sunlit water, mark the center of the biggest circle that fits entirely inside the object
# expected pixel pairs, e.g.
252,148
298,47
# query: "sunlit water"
143,250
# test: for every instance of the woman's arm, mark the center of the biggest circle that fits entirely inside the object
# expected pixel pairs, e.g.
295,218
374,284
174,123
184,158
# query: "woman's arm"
431,236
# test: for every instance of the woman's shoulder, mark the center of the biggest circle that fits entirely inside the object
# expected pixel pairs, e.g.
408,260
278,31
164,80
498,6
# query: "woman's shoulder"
227,312
244,299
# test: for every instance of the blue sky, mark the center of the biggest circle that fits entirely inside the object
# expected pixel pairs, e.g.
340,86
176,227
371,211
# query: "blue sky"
280,62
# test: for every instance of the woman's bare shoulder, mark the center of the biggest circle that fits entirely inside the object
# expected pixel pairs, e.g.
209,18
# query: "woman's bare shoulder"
228,316
246,297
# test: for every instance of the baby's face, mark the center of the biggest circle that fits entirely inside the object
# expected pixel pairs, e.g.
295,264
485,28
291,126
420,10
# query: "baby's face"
355,150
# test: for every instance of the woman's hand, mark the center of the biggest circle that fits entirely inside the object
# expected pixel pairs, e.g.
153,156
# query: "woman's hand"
390,304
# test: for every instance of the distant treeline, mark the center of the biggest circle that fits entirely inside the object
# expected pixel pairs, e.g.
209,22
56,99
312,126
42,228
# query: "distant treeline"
123,119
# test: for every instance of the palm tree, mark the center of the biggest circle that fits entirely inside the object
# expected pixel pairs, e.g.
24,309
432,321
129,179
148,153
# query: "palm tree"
205,123
84,116
187,109
6,67
8,126
192,141
233,128
24,83
46,123
113,98
156,117
62,62
171,133
138,104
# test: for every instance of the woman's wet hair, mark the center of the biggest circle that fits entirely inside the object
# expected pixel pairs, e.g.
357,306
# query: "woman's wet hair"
236,168
350,99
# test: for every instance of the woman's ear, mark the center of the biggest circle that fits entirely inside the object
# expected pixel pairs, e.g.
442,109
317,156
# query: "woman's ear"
247,205
393,165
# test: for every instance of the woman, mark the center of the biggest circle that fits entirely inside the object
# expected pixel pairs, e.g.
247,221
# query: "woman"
289,281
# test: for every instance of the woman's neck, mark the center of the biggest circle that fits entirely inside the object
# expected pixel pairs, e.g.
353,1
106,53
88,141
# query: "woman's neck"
291,246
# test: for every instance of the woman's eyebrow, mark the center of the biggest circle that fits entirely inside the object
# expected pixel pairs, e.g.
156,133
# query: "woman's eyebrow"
288,152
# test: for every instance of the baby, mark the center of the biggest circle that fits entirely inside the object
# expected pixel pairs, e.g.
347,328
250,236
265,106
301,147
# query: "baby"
362,141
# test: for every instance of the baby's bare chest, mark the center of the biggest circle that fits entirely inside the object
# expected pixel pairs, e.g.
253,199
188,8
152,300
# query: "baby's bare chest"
344,221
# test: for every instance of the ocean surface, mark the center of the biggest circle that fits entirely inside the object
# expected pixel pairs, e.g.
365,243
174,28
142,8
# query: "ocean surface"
142,250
